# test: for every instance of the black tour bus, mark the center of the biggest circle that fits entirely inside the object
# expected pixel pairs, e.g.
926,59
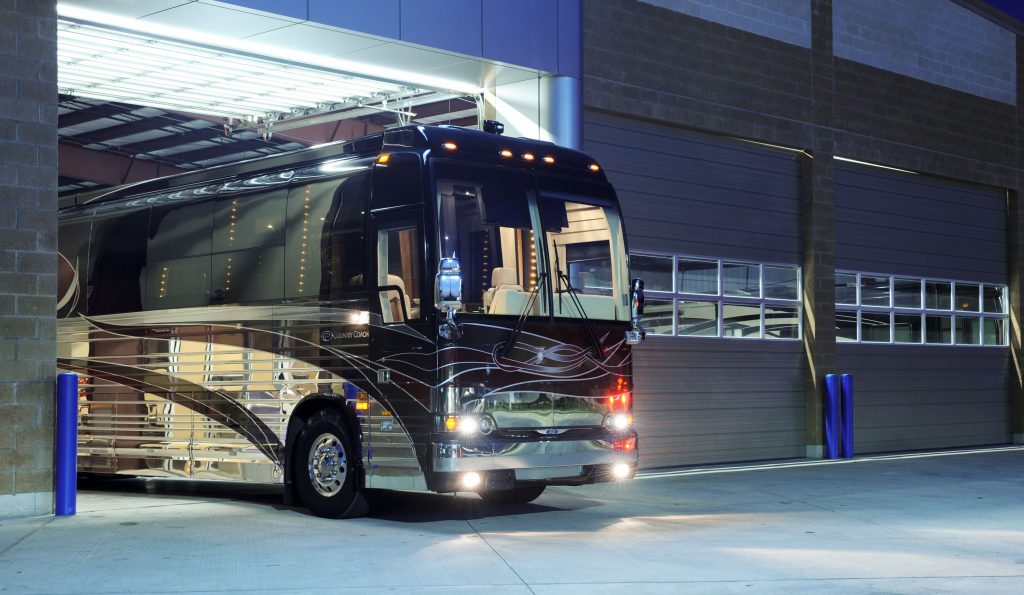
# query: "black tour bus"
431,308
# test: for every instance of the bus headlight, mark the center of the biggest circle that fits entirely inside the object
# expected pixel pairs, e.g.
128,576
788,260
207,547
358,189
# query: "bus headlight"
618,422
468,426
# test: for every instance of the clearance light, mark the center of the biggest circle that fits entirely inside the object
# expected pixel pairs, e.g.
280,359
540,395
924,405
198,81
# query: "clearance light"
362,405
528,157
619,402
451,422
620,471
595,167
470,480
384,158
449,146
549,159
505,153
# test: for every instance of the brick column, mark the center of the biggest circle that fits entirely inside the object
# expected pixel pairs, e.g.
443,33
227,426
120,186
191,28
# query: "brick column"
1015,261
28,245
818,228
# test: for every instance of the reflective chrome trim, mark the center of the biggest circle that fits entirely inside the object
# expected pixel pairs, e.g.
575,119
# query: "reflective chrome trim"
519,455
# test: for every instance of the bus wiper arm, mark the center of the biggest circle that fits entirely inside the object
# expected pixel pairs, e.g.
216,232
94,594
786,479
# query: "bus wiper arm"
518,328
587,323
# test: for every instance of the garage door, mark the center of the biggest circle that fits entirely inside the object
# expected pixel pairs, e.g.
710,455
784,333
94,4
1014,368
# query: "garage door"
709,215
934,371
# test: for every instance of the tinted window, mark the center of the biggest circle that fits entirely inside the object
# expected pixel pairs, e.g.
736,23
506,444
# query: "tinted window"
397,182
117,256
177,230
249,221
326,251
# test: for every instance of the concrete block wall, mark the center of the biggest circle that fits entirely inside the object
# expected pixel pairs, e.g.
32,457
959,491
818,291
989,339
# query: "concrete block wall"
28,247
782,20
676,63
937,41
671,67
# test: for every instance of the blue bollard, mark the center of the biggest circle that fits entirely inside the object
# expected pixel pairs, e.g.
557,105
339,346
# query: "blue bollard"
846,383
831,416
67,444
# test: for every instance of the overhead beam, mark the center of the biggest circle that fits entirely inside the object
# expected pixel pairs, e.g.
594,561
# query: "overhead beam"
122,130
109,169
170,141
91,114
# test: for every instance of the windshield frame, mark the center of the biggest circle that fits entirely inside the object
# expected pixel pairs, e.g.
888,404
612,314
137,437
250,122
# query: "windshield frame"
546,285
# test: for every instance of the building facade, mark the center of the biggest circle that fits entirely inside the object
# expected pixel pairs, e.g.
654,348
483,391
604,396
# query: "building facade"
810,187
874,145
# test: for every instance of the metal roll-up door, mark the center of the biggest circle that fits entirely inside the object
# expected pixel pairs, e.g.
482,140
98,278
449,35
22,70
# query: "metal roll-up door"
708,400
910,397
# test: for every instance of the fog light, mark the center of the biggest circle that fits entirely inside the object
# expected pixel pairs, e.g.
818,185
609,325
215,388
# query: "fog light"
618,421
472,480
620,471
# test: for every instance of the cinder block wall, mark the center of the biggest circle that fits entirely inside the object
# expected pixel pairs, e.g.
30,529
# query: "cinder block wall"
28,247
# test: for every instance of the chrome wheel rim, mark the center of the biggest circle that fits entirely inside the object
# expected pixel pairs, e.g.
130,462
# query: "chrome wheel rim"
327,465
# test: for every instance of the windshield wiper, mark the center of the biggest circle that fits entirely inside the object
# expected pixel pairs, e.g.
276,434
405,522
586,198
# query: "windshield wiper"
518,328
587,324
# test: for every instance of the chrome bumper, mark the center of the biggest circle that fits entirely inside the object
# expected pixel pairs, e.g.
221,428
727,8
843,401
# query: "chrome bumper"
454,457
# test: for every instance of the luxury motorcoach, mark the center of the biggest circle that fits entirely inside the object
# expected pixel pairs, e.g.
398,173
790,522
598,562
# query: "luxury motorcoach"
431,308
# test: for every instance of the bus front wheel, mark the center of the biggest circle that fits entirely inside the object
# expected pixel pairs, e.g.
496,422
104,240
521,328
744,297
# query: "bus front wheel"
513,496
325,467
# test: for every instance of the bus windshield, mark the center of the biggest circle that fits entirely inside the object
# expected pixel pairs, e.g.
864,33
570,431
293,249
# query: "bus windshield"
512,242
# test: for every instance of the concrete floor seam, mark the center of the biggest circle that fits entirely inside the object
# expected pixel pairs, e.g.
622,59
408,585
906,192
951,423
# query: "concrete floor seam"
500,557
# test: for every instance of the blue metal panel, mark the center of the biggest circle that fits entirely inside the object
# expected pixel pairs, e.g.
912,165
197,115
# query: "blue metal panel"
524,33
570,38
831,416
452,25
376,18
846,384
296,9
66,465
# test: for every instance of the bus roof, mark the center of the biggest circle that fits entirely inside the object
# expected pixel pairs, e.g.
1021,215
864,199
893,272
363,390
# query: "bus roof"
432,141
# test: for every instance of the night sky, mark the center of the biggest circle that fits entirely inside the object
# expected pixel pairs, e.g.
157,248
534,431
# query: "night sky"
1014,8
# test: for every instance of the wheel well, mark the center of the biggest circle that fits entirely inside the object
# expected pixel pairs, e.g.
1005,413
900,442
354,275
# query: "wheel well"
300,415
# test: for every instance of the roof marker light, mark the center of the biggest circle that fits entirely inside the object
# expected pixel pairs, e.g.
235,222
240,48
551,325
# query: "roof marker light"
449,146
549,159
595,167
505,153
528,157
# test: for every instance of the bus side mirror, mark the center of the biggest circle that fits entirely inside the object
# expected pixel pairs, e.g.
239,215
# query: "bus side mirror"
636,299
636,334
449,296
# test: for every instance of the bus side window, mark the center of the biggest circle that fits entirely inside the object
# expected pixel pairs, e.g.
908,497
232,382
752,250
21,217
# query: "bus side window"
117,259
325,245
398,273
178,255
397,182
248,247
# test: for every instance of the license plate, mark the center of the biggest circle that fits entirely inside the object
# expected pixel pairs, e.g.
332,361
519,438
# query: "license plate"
549,472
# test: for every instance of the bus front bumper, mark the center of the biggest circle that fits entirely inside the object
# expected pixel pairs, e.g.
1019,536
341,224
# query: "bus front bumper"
505,465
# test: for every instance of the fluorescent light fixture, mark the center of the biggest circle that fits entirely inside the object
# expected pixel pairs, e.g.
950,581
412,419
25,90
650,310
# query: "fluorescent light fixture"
102,63
107,56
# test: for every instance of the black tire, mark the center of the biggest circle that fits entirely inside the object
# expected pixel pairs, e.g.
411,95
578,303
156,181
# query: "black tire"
325,467
514,496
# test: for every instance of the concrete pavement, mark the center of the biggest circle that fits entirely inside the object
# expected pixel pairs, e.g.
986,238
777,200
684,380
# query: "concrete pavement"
926,524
